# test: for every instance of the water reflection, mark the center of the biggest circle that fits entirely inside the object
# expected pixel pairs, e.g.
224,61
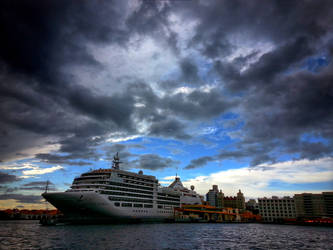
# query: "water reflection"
29,234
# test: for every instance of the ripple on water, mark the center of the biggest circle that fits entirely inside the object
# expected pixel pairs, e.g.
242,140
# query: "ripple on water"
30,235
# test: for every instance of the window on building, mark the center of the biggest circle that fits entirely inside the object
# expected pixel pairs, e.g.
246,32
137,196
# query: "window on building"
126,204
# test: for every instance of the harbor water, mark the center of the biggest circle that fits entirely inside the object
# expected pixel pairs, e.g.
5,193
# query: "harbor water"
31,235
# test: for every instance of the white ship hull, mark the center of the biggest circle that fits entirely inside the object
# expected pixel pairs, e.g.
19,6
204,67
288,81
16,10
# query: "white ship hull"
95,206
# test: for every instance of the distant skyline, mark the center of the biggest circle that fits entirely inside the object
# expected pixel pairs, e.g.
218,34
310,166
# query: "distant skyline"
233,93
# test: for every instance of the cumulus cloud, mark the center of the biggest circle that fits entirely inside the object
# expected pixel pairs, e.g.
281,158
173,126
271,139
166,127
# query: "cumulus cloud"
17,166
258,181
168,178
41,171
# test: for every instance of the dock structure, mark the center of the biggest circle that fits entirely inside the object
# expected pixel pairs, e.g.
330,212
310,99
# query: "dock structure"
206,213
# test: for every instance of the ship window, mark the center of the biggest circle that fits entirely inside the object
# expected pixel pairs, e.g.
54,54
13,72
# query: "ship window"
137,205
126,204
159,206
117,204
148,206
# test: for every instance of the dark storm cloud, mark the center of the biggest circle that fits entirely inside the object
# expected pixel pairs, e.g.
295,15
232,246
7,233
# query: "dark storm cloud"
77,143
121,148
154,162
199,162
123,152
306,108
268,67
116,108
58,159
7,189
258,153
42,100
38,188
130,160
79,122
315,150
8,178
151,18
33,199
112,149
262,74
277,21
160,111
39,39
189,71
169,128
11,190
37,183
279,102
41,35
198,105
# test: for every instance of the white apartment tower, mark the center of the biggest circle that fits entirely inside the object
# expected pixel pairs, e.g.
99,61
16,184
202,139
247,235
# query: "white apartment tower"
274,209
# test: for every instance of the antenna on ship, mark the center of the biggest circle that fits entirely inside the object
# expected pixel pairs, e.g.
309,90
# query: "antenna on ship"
116,161
176,174
46,189
47,186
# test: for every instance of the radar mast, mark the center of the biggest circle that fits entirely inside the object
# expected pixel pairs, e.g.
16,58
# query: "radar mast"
116,161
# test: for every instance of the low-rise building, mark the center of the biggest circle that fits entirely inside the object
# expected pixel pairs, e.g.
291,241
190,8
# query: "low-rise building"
276,209
217,198
252,205
207,213
232,201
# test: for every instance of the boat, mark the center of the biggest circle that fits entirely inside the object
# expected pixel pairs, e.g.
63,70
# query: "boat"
115,195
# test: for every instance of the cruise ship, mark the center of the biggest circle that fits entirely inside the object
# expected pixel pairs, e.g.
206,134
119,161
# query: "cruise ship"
111,195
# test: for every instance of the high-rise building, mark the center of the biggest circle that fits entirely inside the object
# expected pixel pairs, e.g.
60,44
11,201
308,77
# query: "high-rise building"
328,201
211,196
220,199
314,205
273,209
240,200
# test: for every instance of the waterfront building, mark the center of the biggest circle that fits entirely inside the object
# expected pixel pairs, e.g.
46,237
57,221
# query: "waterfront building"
231,201
206,213
220,199
275,209
216,198
25,214
253,206
314,205
211,196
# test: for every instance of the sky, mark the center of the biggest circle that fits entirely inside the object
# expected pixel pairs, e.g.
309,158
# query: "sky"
234,93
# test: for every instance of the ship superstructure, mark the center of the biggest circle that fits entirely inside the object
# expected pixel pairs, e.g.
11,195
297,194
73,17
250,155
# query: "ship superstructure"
114,194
